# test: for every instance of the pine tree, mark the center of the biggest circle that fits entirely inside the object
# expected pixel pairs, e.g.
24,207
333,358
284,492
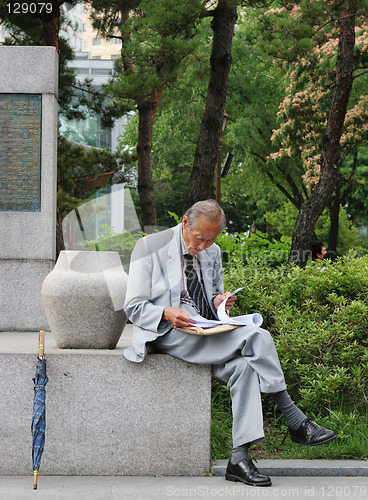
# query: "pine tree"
223,24
156,36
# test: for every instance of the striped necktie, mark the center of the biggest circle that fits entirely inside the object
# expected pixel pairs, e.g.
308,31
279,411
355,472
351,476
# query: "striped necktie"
195,290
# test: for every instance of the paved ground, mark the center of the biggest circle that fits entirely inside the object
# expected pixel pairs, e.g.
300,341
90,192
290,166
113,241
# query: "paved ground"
306,479
151,488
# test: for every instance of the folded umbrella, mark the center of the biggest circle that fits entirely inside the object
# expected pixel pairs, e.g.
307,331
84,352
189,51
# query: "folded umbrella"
38,426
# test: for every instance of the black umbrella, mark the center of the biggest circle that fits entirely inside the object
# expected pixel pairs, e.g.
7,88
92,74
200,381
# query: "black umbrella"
39,409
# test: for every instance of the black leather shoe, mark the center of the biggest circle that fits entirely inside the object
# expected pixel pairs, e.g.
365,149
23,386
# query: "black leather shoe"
311,434
247,473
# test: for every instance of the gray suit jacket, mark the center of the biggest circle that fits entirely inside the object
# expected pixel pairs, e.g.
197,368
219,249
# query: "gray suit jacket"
155,282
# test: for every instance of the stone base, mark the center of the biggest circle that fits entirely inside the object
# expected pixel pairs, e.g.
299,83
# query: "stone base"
105,415
20,294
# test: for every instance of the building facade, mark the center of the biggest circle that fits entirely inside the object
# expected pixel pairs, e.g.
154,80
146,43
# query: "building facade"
84,38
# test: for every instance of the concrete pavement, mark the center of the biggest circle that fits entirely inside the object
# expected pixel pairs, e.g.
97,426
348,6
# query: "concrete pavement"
149,488
292,479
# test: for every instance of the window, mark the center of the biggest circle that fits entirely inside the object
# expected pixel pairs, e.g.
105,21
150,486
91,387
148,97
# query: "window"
115,56
96,57
96,41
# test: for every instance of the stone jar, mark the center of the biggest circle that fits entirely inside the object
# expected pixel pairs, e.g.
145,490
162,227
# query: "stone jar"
83,298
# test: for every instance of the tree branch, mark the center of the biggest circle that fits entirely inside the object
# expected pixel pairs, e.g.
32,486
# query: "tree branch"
360,74
282,189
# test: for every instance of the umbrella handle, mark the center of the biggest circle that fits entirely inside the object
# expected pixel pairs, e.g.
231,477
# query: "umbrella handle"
35,477
41,344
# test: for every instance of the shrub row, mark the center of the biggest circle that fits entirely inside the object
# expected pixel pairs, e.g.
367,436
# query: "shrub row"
319,320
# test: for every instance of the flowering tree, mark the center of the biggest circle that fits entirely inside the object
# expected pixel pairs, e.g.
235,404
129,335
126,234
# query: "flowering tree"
303,112
318,121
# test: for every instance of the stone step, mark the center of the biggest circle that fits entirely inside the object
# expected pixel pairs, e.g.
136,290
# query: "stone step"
104,414
291,468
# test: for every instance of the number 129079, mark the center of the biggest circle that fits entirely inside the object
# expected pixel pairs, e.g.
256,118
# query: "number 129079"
29,8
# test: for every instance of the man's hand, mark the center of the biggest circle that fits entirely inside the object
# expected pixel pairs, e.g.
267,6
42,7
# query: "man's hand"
178,317
219,298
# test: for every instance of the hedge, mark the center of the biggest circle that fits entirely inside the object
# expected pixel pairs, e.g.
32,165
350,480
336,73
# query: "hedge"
318,317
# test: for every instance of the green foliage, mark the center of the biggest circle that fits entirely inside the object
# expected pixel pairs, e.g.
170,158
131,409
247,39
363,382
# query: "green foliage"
109,240
170,195
66,203
283,221
318,317
221,421
154,42
351,443
73,159
355,171
257,85
311,78
176,129
319,321
175,217
255,90
257,247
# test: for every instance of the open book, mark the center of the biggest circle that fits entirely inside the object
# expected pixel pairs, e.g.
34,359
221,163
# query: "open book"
224,319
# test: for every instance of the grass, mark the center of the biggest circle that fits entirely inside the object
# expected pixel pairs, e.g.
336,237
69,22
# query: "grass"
352,431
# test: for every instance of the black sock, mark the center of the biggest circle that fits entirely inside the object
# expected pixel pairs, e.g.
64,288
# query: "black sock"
240,453
294,416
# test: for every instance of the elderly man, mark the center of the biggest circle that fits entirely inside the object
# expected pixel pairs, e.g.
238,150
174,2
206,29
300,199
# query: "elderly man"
178,273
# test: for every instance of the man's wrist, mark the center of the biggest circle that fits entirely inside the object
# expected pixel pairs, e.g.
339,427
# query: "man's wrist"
164,314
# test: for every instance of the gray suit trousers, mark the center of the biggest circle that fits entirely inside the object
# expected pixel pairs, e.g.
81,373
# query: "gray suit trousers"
245,359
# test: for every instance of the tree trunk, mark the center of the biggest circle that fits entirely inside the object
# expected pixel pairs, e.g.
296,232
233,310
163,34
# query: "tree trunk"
146,110
50,25
201,181
146,113
334,220
127,62
59,234
331,150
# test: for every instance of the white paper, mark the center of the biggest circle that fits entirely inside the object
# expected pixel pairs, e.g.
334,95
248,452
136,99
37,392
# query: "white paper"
224,319
221,311
204,322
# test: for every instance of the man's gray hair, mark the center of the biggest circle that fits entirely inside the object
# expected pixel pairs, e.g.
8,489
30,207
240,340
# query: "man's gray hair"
205,208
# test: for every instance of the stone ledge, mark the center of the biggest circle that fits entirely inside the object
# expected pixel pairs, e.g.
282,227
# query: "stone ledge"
323,468
105,415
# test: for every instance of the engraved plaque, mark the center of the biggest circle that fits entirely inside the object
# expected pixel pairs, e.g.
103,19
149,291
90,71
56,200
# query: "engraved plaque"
20,152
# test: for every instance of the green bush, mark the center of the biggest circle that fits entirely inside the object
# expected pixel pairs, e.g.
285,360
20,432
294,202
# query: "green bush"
109,240
255,247
319,321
